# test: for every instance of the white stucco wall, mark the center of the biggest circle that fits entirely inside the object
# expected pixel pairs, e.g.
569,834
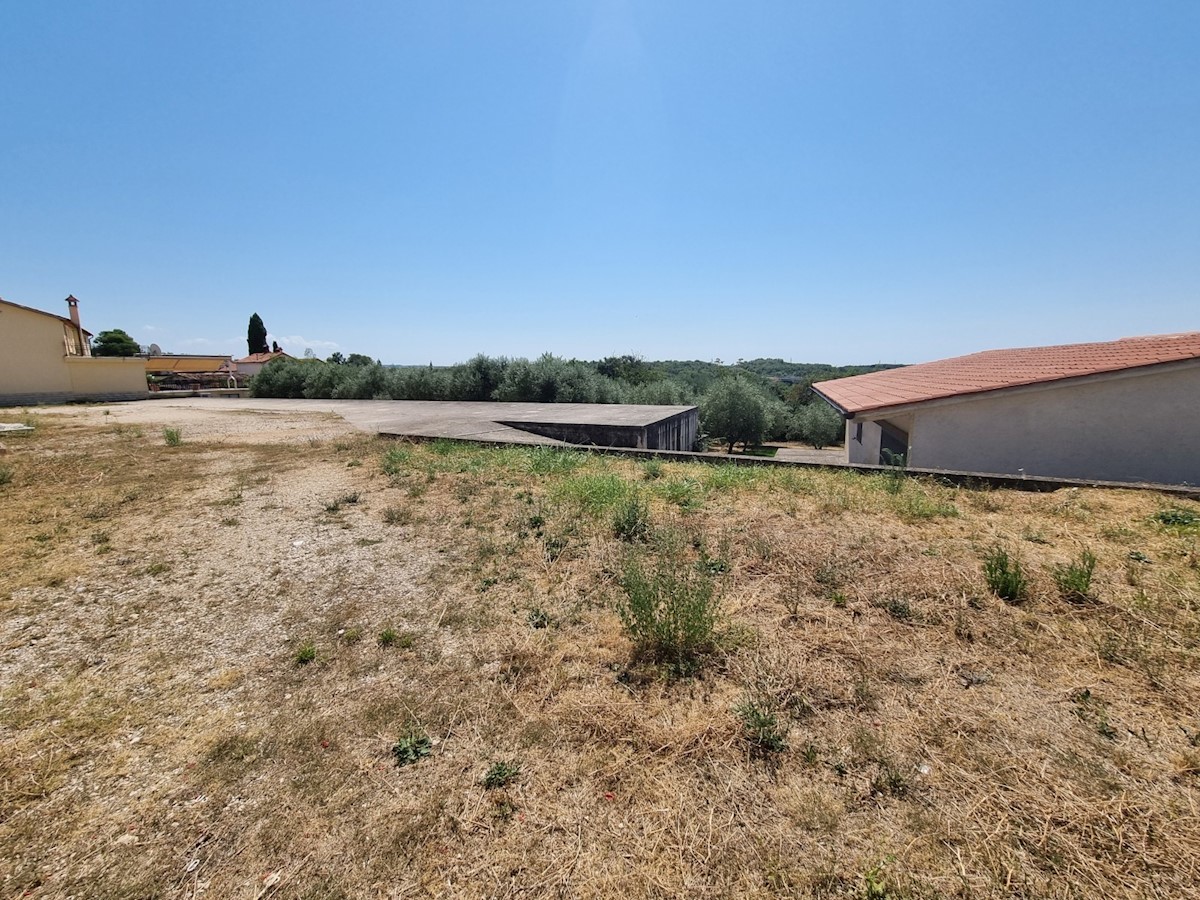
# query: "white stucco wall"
1131,427
865,451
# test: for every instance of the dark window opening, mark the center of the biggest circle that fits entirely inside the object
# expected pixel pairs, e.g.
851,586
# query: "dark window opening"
893,445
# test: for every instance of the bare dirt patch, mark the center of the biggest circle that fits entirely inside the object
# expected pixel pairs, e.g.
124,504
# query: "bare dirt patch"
281,661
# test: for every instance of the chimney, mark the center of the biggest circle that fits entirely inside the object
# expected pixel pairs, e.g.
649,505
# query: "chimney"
82,348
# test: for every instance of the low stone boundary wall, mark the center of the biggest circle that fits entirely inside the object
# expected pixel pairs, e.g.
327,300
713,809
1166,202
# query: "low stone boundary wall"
69,397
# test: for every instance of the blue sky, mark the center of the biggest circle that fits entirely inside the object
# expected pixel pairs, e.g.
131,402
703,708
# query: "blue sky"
830,182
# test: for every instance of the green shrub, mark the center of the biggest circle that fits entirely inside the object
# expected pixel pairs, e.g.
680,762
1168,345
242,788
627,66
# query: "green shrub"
1074,579
1004,576
173,436
6,475
669,611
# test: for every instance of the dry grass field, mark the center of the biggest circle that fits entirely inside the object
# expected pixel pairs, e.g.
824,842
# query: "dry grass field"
307,663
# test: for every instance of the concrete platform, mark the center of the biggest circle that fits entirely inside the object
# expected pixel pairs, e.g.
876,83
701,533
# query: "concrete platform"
588,424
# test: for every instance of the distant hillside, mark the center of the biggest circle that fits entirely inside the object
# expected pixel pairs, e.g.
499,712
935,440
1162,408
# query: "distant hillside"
791,372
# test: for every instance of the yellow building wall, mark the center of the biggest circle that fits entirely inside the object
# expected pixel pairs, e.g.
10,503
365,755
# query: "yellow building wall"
32,353
98,376
34,367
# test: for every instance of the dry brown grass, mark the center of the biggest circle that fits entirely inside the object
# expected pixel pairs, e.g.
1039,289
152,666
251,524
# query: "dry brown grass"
160,738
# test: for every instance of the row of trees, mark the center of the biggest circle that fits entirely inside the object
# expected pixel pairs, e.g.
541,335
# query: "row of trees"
738,407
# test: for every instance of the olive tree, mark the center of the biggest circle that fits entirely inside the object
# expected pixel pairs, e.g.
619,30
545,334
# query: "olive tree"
735,410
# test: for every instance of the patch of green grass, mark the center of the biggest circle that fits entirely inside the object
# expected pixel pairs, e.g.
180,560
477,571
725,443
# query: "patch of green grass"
631,521
1004,576
731,477
155,568
916,505
761,727
305,653
593,493
553,461
390,637
1177,517
395,461
1074,579
173,436
652,469
686,493
501,774
411,748
760,451
6,475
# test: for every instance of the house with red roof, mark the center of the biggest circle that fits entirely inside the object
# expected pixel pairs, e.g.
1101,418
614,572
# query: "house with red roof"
1125,411
253,364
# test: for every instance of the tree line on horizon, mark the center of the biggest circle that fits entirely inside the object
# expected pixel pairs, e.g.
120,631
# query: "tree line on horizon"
737,403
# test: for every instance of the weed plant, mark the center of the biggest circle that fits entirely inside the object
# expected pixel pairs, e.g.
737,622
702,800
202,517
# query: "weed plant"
305,654
500,775
631,522
173,436
761,726
897,469
6,475
1074,579
1177,518
397,515
670,611
412,748
1004,576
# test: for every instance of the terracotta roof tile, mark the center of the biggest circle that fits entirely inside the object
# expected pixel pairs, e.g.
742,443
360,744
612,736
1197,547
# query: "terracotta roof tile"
994,370
262,357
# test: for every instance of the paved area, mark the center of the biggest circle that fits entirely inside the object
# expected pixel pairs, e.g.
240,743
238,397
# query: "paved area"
830,456
434,419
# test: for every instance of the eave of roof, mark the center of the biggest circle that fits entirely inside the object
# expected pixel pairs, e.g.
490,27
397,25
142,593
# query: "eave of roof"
993,370
42,312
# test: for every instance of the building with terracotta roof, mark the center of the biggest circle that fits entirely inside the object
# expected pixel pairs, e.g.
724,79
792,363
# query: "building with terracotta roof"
253,364
1126,411
45,358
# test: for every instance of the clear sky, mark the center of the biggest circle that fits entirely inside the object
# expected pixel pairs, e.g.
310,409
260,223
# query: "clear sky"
846,182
